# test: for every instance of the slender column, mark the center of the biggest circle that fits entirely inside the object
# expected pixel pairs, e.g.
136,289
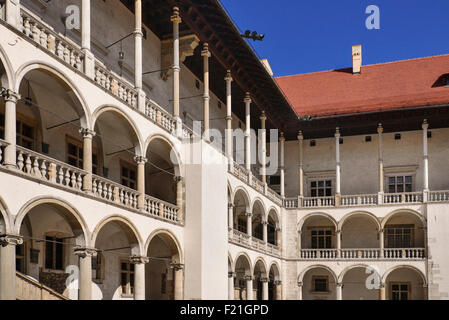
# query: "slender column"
300,165
141,181
229,147
381,242
139,276
249,287
382,295
425,127
206,55
300,285
11,99
338,170
380,131
264,288
85,25
339,291
282,164
231,215
248,132
138,35
13,12
179,281
263,162
231,276
8,245
176,19
87,157
179,197
249,224
85,272
265,231
338,236
278,286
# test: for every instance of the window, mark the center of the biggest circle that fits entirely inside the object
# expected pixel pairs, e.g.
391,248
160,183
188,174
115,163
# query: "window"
400,291
320,284
400,184
321,239
98,268
128,175
54,253
321,188
25,134
75,155
127,277
399,236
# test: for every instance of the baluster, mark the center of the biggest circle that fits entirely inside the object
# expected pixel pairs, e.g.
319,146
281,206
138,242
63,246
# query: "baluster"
73,180
28,164
43,170
100,189
94,186
66,54
110,192
43,39
20,163
35,171
61,176
36,32
79,182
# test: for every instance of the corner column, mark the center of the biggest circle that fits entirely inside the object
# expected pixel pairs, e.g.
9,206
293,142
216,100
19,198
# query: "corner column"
282,164
206,55
338,235
338,168
425,127
265,231
176,19
382,294
300,167
141,181
11,99
139,276
248,101
87,157
231,276
229,147
381,242
179,280
138,35
85,274
380,196
8,245
263,162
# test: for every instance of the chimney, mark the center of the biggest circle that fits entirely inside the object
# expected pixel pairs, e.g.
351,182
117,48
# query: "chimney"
356,59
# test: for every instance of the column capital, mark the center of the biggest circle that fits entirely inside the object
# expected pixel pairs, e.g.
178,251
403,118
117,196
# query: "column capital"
10,96
231,275
300,283
176,17
248,214
87,133
281,137
205,52
140,160
264,223
264,279
247,98
84,252
380,129
230,205
177,266
248,278
337,133
425,125
228,77
339,284
263,116
279,282
300,135
139,260
178,179
10,239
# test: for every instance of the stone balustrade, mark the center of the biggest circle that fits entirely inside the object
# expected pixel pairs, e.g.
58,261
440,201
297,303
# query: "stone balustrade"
310,202
363,254
359,200
114,192
3,145
291,203
412,197
438,196
243,239
45,36
316,254
159,116
161,209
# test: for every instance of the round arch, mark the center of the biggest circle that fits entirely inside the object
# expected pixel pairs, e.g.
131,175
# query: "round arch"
349,268
174,153
317,266
114,109
276,270
317,214
277,216
389,271
127,226
173,243
56,72
76,220
5,215
245,256
360,213
246,197
7,81
264,264
262,205
393,213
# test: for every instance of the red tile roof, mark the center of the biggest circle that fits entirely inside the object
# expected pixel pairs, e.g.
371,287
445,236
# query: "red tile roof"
380,87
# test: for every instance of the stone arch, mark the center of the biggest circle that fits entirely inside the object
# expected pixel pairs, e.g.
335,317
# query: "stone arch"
276,270
389,271
172,241
85,116
364,213
349,268
5,217
246,197
127,227
244,255
175,154
409,211
74,218
317,266
7,80
264,264
262,205
276,215
322,214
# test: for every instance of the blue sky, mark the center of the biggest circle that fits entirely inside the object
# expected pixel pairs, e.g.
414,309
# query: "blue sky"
304,36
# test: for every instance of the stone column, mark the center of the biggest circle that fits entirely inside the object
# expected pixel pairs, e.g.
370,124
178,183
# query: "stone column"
176,19
263,162
300,166
380,197
179,281
85,272
249,224
249,287
337,169
425,127
300,285
179,197
139,276
248,101
11,99
282,164
265,295
339,291
278,286
382,295
231,215
229,147
338,236
141,181
89,60
138,35
87,157
206,55
13,12
381,242
8,245
231,276
265,231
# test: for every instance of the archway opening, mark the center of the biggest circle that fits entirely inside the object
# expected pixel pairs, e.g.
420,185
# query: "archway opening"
274,277
403,230
260,277
242,276
359,231
318,232
258,215
357,284
241,204
405,284
273,228
319,284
